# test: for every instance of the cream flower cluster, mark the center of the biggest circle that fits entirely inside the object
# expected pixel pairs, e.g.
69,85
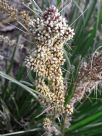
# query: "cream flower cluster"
50,32
13,13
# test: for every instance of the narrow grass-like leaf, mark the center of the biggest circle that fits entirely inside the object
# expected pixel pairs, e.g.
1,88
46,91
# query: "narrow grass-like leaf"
20,132
31,91
85,121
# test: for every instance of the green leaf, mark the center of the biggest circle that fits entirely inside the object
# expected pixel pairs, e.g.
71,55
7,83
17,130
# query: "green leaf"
20,132
31,91
85,121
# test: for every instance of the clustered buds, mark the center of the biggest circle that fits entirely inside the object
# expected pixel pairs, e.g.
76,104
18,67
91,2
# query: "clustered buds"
4,6
50,32
13,13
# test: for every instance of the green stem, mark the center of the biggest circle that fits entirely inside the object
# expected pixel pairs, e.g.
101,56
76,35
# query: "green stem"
63,124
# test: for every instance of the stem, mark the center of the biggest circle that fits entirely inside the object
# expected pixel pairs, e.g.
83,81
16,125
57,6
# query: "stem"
63,124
